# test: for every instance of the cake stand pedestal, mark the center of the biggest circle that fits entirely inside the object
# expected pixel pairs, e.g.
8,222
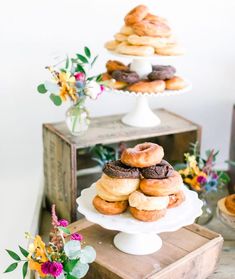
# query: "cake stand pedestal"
137,237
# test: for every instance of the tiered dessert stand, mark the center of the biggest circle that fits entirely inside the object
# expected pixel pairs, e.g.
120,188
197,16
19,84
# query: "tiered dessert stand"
142,115
137,237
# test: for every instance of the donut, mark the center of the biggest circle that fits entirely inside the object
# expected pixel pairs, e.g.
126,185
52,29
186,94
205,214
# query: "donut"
118,186
109,208
158,171
120,37
113,65
142,155
145,86
143,202
103,194
111,45
147,215
162,187
152,17
116,169
230,203
176,199
136,15
170,49
127,49
175,83
126,76
126,30
161,72
111,83
151,28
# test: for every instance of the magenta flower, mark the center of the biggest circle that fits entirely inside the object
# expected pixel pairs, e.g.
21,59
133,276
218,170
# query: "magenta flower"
45,267
215,175
80,76
55,269
201,179
102,88
63,223
76,236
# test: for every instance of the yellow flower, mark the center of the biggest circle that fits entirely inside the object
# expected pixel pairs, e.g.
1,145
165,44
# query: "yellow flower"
36,267
67,91
66,78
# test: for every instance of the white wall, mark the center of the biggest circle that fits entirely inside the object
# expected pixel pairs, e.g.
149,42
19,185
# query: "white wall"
33,32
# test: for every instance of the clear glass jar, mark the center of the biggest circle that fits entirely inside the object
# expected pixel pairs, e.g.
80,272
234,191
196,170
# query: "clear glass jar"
207,210
77,119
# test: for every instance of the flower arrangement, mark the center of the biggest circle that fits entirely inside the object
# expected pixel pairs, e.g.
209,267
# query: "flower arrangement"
62,258
72,82
199,173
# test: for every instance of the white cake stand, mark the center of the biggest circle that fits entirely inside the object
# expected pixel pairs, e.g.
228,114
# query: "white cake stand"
141,115
136,237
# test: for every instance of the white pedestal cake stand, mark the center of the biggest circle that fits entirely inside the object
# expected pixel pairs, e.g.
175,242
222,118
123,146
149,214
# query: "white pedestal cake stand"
136,237
142,115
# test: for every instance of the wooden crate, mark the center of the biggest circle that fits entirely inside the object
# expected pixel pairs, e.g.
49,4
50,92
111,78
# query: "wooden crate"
62,160
189,253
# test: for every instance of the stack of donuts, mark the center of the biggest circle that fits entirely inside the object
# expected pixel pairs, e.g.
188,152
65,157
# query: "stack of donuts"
144,34
119,76
141,181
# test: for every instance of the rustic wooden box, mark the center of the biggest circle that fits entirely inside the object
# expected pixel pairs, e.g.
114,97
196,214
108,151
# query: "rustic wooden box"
64,157
189,253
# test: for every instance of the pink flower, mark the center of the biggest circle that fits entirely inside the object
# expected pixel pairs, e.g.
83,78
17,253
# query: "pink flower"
80,76
63,223
55,269
102,87
76,236
45,267
201,179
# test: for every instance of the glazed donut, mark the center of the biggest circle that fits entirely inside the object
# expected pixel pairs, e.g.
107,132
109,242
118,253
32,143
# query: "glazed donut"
145,86
109,208
175,83
152,28
147,215
116,169
120,37
114,65
159,171
176,199
111,45
156,42
230,203
142,202
161,72
136,15
126,76
152,17
128,49
112,83
162,187
170,49
118,186
126,30
103,194
142,155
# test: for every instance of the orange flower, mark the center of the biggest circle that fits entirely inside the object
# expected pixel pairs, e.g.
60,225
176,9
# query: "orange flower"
66,91
36,267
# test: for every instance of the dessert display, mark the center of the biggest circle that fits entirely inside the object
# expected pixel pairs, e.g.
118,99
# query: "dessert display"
162,77
144,34
141,181
226,210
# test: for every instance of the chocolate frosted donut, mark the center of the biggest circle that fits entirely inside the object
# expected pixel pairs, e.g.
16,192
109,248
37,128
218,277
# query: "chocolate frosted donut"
161,72
116,169
126,76
159,171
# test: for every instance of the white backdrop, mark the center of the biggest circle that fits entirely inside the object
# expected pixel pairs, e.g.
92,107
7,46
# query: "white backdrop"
33,32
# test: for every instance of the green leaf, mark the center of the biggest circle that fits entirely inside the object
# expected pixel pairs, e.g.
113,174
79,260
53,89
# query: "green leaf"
63,70
56,99
64,230
13,255
99,78
42,89
69,265
24,252
72,249
231,163
88,255
69,276
79,68
87,52
224,177
67,63
25,269
94,60
82,58
11,267
80,270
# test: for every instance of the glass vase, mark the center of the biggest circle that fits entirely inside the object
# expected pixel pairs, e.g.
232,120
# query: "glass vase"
77,119
207,210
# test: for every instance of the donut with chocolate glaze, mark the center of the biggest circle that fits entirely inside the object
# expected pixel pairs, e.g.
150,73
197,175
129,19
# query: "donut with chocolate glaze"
159,171
162,72
126,76
116,169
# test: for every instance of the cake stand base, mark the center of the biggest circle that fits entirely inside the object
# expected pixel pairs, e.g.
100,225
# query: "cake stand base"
141,115
138,244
